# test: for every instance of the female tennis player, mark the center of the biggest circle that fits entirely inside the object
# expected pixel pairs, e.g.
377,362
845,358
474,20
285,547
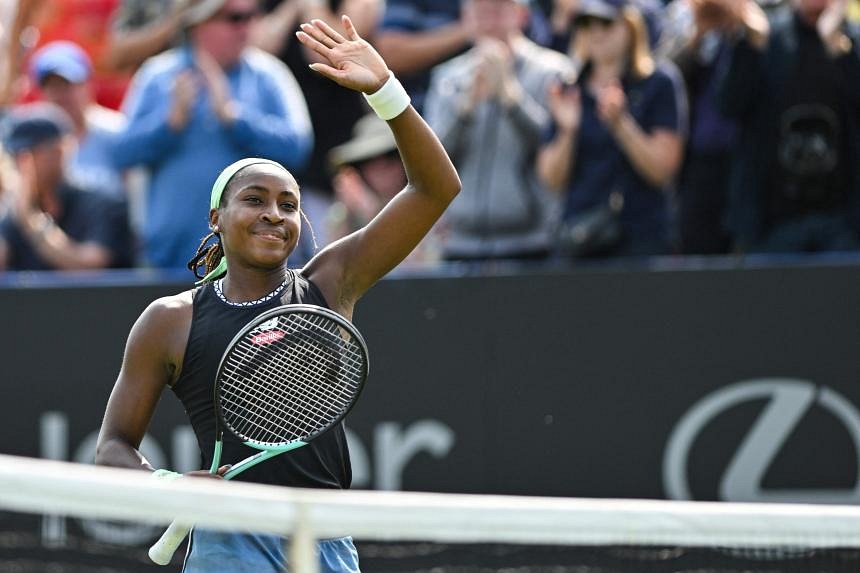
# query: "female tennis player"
256,219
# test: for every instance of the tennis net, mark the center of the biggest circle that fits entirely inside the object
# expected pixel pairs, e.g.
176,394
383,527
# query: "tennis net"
397,531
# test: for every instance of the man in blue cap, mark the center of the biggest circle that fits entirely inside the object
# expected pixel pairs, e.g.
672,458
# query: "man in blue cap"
62,71
51,224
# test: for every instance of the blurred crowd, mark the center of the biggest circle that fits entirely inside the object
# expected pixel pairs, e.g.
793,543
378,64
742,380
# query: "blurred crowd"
581,129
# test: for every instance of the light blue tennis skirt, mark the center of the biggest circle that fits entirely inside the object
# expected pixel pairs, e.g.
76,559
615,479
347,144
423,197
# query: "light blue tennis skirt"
220,552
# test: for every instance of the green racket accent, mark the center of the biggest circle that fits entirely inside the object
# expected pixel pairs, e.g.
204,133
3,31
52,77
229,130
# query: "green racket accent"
216,459
264,455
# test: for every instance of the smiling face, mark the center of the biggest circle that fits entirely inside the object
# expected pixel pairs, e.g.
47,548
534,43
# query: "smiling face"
259,219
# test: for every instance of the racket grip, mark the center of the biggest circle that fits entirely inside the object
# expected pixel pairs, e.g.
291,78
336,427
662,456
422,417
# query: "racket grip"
162,550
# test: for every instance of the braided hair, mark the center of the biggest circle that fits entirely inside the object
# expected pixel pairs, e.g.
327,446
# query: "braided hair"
207,256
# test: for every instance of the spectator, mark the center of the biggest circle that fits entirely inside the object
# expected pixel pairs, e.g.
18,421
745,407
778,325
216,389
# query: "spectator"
488,107
795,90
416,35
52,224
564,12
368,174
86,23
333,110
62,71
195,109
699,50
617,141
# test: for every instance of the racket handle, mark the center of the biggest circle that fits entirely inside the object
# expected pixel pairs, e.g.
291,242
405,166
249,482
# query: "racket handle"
162,550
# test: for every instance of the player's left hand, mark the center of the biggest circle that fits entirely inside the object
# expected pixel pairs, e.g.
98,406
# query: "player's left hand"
350,61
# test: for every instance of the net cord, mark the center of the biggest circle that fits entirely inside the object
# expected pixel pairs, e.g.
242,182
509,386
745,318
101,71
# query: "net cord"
31,485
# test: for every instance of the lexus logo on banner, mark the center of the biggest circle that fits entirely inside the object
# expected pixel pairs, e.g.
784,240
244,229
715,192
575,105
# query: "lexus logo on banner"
787,402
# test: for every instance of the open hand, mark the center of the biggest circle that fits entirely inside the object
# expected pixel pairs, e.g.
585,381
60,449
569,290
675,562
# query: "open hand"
350,189
565,105
26,203
349,61
712,15
216,83
611,103
829,24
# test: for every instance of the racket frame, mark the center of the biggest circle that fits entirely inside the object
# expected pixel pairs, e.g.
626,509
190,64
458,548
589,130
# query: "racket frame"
267,452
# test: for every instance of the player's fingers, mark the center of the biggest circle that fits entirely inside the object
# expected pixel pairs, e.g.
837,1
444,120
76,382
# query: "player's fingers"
351,32
331,73
314,45
331,32
318,35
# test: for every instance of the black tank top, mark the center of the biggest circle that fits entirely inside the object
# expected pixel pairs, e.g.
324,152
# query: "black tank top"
323,463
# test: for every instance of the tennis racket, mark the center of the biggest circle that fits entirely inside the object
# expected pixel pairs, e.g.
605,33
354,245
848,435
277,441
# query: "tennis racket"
286,378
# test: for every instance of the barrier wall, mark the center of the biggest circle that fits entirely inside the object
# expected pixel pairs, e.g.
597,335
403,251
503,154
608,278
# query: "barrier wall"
713,384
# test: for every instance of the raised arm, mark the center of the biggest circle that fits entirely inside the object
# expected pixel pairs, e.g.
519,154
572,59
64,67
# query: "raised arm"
148,366
347,268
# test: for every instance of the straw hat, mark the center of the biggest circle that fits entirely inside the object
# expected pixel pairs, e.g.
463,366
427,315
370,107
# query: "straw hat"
371,137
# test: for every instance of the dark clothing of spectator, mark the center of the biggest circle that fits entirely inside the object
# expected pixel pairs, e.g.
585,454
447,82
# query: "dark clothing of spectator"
418,16
703,183
798,156
601,167
87,217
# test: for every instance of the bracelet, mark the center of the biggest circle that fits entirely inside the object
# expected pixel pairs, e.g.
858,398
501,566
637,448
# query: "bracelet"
165,475
390,100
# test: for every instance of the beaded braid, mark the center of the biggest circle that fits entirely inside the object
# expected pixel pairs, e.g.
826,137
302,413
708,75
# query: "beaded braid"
210,256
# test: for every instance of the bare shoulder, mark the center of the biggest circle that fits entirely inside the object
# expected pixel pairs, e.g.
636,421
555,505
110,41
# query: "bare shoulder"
325,270
169,311
163,328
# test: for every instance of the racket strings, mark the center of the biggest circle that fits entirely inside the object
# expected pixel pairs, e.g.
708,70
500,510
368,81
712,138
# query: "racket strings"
313,393
242,408
286,363
275,410
267,407
292,387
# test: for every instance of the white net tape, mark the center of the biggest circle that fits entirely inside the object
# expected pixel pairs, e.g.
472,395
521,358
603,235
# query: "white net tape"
40,486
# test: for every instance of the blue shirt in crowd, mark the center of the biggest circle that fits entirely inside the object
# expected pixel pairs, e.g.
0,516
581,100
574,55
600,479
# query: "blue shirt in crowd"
272,122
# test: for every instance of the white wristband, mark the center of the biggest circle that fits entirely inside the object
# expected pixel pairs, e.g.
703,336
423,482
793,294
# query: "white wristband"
390,100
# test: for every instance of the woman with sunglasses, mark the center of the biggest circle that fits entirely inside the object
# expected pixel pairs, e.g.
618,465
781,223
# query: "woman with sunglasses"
617,142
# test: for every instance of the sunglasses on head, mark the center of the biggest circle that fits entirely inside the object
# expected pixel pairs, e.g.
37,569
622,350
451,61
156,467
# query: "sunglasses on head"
238,17
588,21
